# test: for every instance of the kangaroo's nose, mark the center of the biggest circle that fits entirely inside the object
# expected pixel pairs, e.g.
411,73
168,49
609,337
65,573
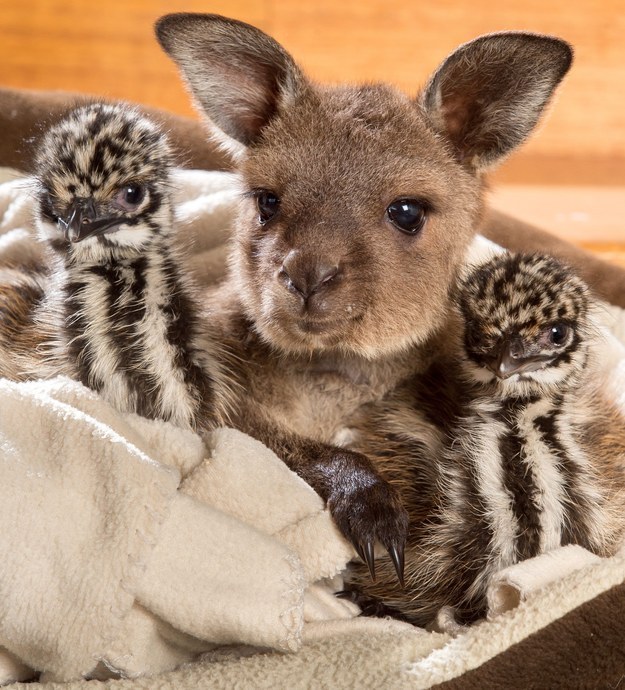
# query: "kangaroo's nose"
307,275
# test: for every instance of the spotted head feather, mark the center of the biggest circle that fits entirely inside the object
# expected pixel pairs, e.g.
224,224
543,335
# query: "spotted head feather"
103,175
527,325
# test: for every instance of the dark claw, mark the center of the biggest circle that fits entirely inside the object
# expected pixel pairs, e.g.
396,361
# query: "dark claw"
363,556
358,547
369,558
367,509
396,552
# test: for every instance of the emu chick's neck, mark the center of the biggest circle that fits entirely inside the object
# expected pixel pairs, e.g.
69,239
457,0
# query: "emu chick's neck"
131,333
534,475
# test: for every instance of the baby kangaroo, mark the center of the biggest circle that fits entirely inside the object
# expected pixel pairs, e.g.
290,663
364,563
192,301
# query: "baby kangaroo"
521,469
119,312
358,204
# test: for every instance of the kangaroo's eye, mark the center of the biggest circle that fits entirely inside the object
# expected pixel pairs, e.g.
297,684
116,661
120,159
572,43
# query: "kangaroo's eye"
130,196
268,204
407,215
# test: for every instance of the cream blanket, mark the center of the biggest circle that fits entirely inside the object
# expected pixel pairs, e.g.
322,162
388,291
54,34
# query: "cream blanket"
136,547
130,547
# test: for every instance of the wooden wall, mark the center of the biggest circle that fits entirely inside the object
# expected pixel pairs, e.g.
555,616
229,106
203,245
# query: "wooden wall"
108,48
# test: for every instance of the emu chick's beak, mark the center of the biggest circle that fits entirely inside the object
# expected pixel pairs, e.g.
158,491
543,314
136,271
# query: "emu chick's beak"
510,360
82,221
80,215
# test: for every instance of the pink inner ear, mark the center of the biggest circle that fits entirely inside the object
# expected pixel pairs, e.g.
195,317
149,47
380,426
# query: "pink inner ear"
238,75
251,103
454,110
252,106
461,117
488,95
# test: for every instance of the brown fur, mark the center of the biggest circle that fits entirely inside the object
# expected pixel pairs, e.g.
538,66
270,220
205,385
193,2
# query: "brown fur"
604,441
337,158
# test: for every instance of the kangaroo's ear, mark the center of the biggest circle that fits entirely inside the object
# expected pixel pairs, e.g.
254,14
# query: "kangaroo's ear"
488,95
239,76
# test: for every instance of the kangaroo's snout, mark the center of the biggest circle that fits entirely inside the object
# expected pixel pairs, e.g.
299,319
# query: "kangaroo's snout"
307,275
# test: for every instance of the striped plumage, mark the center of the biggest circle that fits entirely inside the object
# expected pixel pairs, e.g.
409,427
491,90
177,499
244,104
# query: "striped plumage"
20,291
516,471
119,310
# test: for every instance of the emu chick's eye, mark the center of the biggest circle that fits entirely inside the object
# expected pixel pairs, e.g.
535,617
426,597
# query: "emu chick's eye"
267,204
130,196
407,215
558,334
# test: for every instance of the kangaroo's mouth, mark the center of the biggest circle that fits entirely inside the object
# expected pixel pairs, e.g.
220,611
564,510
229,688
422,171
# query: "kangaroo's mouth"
305,335
319,326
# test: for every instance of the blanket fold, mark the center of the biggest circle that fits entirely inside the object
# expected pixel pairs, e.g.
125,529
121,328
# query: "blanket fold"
214,577
512,585
121,569
77,533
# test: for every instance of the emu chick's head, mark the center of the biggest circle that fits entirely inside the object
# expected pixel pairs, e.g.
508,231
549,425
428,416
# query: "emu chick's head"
526,325
103,176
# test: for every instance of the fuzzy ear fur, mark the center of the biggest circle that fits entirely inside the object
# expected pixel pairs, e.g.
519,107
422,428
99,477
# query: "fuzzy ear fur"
485,98
239,76
488,95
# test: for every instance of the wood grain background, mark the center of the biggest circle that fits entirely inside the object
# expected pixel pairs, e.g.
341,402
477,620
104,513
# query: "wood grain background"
108,48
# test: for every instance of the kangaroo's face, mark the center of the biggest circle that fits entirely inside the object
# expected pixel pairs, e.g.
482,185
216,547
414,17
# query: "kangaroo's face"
356,218
359,202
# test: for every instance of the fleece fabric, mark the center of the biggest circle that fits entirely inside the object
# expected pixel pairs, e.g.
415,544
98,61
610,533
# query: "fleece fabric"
110,558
